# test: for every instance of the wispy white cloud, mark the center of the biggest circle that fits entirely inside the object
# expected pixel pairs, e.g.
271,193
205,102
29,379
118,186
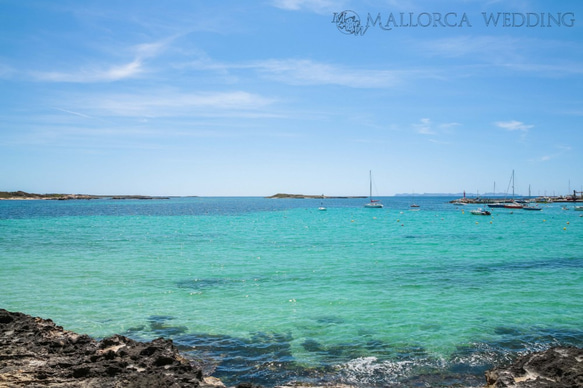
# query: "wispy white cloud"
560,151
427,127
448,127
74,113
5,71
510,53
424,127
318,6
490,49
513,125
108,73
93,74
170,103
309,72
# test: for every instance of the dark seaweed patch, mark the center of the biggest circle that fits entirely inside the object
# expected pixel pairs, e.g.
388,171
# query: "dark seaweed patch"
330,320
266,358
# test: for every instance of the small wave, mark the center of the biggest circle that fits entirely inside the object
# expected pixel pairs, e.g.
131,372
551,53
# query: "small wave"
369,371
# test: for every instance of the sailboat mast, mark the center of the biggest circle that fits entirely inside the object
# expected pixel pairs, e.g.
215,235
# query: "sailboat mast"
370,184
513,184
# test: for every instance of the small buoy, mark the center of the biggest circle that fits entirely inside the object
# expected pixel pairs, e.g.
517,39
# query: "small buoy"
402,224
351,220
565,228
476,222
567,222
398,221
490,221
374,218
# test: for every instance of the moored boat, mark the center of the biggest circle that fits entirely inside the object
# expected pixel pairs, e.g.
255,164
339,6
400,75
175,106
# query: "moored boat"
513,205
530,207
480,212
374,203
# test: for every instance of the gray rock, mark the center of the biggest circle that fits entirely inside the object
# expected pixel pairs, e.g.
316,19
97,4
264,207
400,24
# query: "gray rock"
558,367
35,352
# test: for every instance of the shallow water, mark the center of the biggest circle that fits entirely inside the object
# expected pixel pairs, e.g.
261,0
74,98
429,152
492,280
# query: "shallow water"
275,291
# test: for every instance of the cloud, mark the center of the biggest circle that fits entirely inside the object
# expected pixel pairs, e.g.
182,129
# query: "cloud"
91,75
308,72
74,113
424,127
170,103
513,125
561,150
318,6
5,71
109,73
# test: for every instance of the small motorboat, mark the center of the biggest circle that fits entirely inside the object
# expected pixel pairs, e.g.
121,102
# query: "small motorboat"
532,208
480,212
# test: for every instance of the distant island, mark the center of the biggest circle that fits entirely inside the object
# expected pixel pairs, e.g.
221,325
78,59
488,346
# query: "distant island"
21,195
304,196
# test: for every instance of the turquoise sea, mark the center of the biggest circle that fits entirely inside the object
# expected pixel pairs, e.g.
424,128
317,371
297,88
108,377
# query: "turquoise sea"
273,291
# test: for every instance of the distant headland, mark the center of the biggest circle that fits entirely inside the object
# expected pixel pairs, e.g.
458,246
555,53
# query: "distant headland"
21,195
304,196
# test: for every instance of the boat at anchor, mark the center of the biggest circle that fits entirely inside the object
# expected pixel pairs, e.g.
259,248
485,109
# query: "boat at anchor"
374,203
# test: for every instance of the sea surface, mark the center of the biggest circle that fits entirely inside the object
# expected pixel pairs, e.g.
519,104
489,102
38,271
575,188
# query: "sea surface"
274,291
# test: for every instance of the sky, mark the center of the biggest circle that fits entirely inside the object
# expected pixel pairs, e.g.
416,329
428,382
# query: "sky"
232,98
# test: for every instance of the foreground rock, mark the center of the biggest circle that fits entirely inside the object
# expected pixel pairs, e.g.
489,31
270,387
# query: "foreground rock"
35,352
558,367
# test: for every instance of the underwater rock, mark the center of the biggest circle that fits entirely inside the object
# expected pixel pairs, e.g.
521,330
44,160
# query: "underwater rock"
557,367
35,352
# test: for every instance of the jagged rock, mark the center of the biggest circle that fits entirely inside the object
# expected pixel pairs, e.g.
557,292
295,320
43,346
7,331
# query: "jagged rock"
35,352
558,367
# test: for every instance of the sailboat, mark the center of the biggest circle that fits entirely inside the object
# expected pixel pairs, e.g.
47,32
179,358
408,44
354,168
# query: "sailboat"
505,204
513,204
374,203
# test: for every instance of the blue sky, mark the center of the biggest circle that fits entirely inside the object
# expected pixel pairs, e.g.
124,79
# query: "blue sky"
234,98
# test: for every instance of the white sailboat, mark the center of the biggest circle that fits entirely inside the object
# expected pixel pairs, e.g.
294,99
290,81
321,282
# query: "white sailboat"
374,203
513,204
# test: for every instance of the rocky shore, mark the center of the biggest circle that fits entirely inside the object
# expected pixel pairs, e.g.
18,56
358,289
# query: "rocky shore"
35,352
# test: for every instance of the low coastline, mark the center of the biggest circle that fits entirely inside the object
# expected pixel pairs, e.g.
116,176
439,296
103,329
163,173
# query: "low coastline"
308,196
24,196
36,352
